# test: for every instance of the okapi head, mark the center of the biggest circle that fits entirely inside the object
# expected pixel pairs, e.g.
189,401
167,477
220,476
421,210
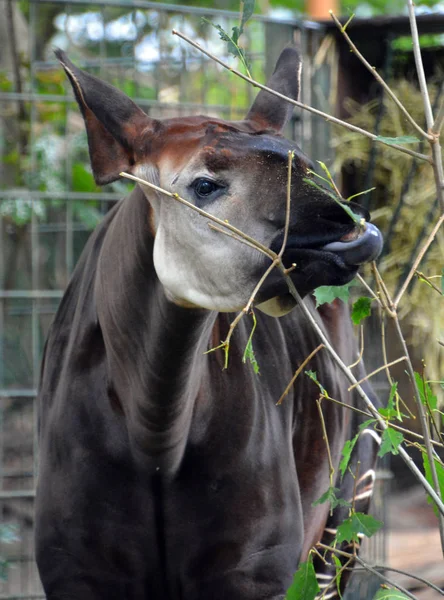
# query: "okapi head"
236,171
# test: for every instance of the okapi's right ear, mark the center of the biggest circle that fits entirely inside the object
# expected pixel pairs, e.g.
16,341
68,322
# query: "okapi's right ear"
113,122
269,111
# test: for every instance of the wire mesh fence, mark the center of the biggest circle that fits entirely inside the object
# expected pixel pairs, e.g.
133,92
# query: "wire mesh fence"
49,202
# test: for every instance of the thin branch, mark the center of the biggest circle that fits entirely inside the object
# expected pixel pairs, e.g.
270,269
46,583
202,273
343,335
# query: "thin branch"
381,81
417,577
361,351
418,260
288,203
237,238
369,289
315,111
425,429
327,443
384,293
378,370
420,276
392,425
435,145
203,213
368,568
439,120
368,403
298,372
307,313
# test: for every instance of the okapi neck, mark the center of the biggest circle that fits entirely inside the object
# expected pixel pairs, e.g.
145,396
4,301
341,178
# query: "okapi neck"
154,348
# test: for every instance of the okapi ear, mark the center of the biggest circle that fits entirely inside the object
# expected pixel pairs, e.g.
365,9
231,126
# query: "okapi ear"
268,110
113,122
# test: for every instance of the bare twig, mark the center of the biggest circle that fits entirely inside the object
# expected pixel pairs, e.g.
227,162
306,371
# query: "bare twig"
298,372
203,213
237,238
420,276
435,145
368,403
307,313
327,443
369,289
378,370
418,260
439,120
315,111
361,351
425,429
288,203
367,567
378,77
417,577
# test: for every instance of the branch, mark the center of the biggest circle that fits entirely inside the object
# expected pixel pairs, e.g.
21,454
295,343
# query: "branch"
315,111
418,260
367,567
417,577
378,370
306,312
378,77
439,120
436,148
298,372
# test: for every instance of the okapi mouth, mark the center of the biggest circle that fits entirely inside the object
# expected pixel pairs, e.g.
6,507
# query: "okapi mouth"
358,246
316,263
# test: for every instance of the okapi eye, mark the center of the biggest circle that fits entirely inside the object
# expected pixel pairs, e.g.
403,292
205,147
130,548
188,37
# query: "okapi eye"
205,187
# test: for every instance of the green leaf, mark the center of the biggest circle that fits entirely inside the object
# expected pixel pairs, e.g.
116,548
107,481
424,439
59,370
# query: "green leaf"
344,27
331,496
236,33
360,194
390,441
357,523
391,411
442,280
314,377
428,398
305,585
389,594
328,293
353,216
346,454
349,445
361,309
402,139
249,352
428,473
338,564
247,12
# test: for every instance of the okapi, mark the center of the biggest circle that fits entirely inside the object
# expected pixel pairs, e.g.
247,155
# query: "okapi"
163,476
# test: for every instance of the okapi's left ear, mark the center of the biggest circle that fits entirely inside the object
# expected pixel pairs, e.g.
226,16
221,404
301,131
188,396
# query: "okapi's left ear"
113,122
268,110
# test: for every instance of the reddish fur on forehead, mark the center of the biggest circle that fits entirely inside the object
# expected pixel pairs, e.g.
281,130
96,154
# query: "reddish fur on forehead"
178,137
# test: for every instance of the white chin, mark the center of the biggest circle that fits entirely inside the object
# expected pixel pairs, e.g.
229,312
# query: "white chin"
277,306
